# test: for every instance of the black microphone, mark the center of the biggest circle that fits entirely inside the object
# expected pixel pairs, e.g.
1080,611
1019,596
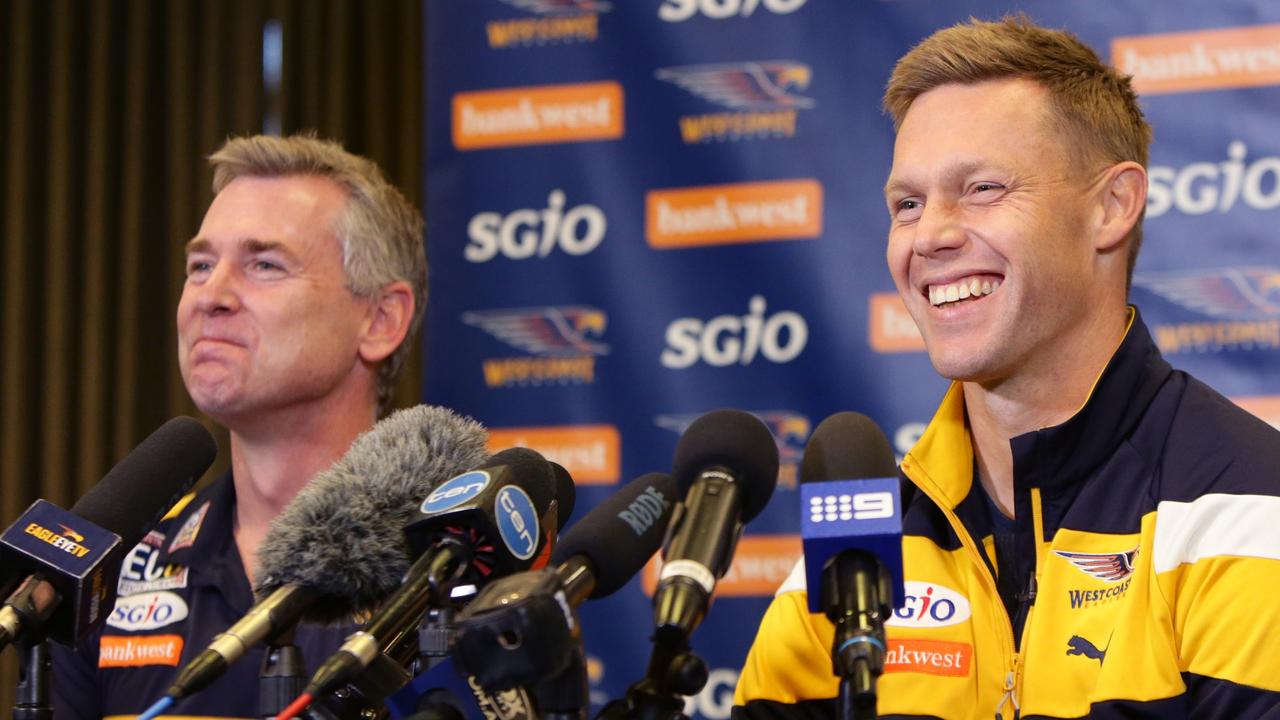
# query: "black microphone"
338,548
851,525
725,466
521,629
492,521
71,560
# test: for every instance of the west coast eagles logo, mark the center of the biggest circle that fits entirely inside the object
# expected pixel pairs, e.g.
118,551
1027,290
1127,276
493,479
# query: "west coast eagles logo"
564,341
1116,569
762,95
790,430
560,7
1242,293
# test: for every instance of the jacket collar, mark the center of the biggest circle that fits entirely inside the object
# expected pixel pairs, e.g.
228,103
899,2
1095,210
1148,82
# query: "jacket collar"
1053,458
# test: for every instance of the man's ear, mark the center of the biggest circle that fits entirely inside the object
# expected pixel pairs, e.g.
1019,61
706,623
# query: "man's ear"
1124,197
388,323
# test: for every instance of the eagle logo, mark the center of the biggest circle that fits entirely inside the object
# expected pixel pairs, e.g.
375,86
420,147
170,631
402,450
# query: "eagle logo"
545,331
1247,293
560,7
790,430
766,85
1110,567
68,532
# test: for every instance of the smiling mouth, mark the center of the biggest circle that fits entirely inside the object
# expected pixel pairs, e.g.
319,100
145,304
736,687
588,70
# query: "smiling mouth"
968,289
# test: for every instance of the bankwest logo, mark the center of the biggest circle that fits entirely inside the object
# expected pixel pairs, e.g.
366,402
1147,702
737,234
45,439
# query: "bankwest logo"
930,657
138,650
1202,60
1244,302
58,540
591,453
537,115
742,212
1266,407
890,328
562,339
790,431
760,564
560,21
759,94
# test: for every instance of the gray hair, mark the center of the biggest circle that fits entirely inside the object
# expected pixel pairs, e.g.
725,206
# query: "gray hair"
379,230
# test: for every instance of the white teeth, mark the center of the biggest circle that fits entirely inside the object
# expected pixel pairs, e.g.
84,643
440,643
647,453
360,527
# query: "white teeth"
961,290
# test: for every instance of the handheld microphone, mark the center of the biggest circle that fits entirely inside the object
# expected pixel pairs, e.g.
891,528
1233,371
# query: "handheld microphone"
522,629
71,559
725,466
851,527
489,522
338,548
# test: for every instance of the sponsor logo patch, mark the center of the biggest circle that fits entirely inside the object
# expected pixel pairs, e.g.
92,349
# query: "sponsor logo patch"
558,22
790,432
929,657
537,115
1115,569
138,650
759,566
591,453
149,611
890,328
1082,646
737,213
763,98
142,571
930,605
186,536
562,339
1201,60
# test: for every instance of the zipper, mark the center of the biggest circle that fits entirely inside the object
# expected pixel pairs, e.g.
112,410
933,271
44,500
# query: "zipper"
1006,627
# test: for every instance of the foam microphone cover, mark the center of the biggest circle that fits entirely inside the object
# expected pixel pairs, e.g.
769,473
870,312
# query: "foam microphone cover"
620,534
847,446
342,535
734,440
134,494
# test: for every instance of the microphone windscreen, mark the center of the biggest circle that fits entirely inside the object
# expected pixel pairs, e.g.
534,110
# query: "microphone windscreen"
342,535
566,495
620,534
735,440
134,494
847,446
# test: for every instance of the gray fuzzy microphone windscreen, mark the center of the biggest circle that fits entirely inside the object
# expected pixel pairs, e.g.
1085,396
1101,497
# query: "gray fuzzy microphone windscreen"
342,535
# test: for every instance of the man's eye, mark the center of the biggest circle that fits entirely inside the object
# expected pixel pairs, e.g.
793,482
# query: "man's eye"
266,265
907,209
984,187
197,266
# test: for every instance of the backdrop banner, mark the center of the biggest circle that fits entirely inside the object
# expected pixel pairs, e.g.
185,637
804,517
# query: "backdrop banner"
641,211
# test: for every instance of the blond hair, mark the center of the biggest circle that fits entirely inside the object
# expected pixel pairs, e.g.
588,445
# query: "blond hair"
379,230
1091,104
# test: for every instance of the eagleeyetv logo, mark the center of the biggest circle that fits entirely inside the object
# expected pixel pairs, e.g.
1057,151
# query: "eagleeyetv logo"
762,97
563,340
68,541
558,22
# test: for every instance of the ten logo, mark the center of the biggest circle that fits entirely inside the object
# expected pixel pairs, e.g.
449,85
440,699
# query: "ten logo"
456,491
930,605
517,521
729,339
576,232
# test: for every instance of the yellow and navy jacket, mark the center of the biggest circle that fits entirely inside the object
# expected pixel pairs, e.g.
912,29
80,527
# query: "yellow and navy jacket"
1152,517
180,586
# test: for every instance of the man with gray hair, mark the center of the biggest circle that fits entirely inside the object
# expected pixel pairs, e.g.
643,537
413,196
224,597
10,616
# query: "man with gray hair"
304,287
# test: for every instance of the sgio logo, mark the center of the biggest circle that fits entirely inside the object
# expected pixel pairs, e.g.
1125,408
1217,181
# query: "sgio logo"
148,612
526,232
681,10
729,339
930,605
1204,187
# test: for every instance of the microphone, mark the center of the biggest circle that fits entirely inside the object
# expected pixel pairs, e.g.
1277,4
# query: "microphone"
725,467
71,559
521,629
489,522
338,547
851,528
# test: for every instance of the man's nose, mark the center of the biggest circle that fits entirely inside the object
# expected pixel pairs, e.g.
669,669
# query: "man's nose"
220,292
940,229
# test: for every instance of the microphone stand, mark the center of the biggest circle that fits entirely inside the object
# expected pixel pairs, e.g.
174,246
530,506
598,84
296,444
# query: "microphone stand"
856,591
33,701
567,695
674,672
283,676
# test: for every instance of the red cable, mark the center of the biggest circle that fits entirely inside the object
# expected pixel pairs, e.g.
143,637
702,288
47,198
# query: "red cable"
295,707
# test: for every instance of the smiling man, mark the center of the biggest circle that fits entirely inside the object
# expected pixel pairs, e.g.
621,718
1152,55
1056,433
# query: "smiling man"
305,283
1094,518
